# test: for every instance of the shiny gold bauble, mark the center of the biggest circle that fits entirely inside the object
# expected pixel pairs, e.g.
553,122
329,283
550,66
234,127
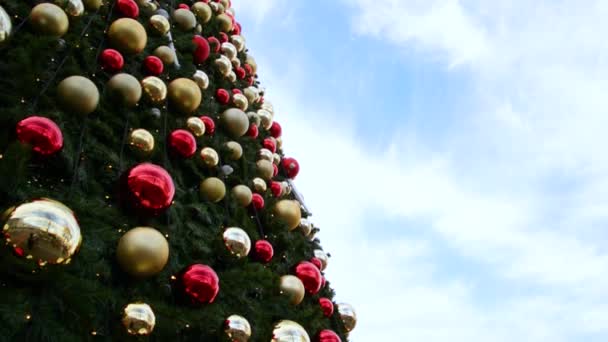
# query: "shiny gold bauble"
254,118
142,252
225,22
154,89
279,142
286,188
235,150
292,288
267,105
321,255
141,141
6,25
259,185
225,3
223,64
165,54
92,5
240,101
252,63
238,42
128,36
184,19
237,242
160,24
217,7
276,158
305,226
265,154
147,6
213,189
124,89
238,329
229,50
43,231
185,95
236,63
201,79
348,316
252,94
242,194
202,12
196,126
74,8
265,118
139,319
265,169
231,76
78,95
289,331
49,19
235,121
289,211
209,157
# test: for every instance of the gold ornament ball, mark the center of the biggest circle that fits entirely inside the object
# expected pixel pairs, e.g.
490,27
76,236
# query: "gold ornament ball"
160,24
184,19
286,187
196,126
125,89
289,211
225,22
238,42
74,8
265,154
267,105
139,319
49,19
276,158
141,141
185,95
305,226
289,331
266,118
238,329
78,95
235,121
217,7
254,118
237,242
142,252
252,63
292,288
229,50
6,26
225,3
201,79
92,5
209,157
223,64
213,189
259,185
231,76
202,11
321,255
235,150
44,231
236,63
348,316
242,194
240,101
279,142
165,54
128,36
252,94
154,89
265,169
147,6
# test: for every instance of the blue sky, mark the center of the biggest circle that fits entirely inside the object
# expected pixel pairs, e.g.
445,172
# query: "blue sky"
452,152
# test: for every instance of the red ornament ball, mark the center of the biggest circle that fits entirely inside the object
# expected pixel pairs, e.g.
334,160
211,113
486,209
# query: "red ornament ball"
236,91
41,133
153,65
209,125
237,29
182,143
150,188
326,306
128,8
253,131
328,336
257,201
223,37
276,130
291,167
222,96
250,81
317,262
202,51
276,189
214,44
270,145
200,283
184,6
275,170
111,60
310,276
240,73
263,251
248,69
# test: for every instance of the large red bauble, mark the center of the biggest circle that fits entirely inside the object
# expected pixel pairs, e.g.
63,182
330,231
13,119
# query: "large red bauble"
41,133
291,167
328,336
128,8
276,130
182,143
209,125
202,51
222,96
214,44
248,69
153,65
111,60
270,145
257,201
326,306
240,73
276,188
150,188
253,131
223,37
310,276
200,283
263,251
317,262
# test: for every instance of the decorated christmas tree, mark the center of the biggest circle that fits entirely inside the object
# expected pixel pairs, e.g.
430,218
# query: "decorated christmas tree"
144,187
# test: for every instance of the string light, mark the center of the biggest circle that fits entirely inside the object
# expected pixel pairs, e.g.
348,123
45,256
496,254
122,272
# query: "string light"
28,317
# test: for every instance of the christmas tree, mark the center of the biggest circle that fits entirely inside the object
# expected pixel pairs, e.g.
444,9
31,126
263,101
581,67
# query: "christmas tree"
145,192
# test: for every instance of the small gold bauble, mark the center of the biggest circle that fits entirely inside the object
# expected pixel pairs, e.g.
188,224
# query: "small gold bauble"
142,252
237,242
229,50
348,316
231,76
213,189
128,36
265,118
289,331
6,25
305,226
265,169
49,19
235,121
201,79
238,329
289,211
160,24
242,194
252,63
259,185
184,19
265,154
235,150
185,95
92,5
209,157
216,7
252,94
238,42
292,287
225,22
147,6
276,158
223,64
196,126
279,143
141,141
154,89
321,255
44,231
254,118
78,95
202,12
236,63
124,89
139,319
240,101
74,8
165,54
286,188
225,3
